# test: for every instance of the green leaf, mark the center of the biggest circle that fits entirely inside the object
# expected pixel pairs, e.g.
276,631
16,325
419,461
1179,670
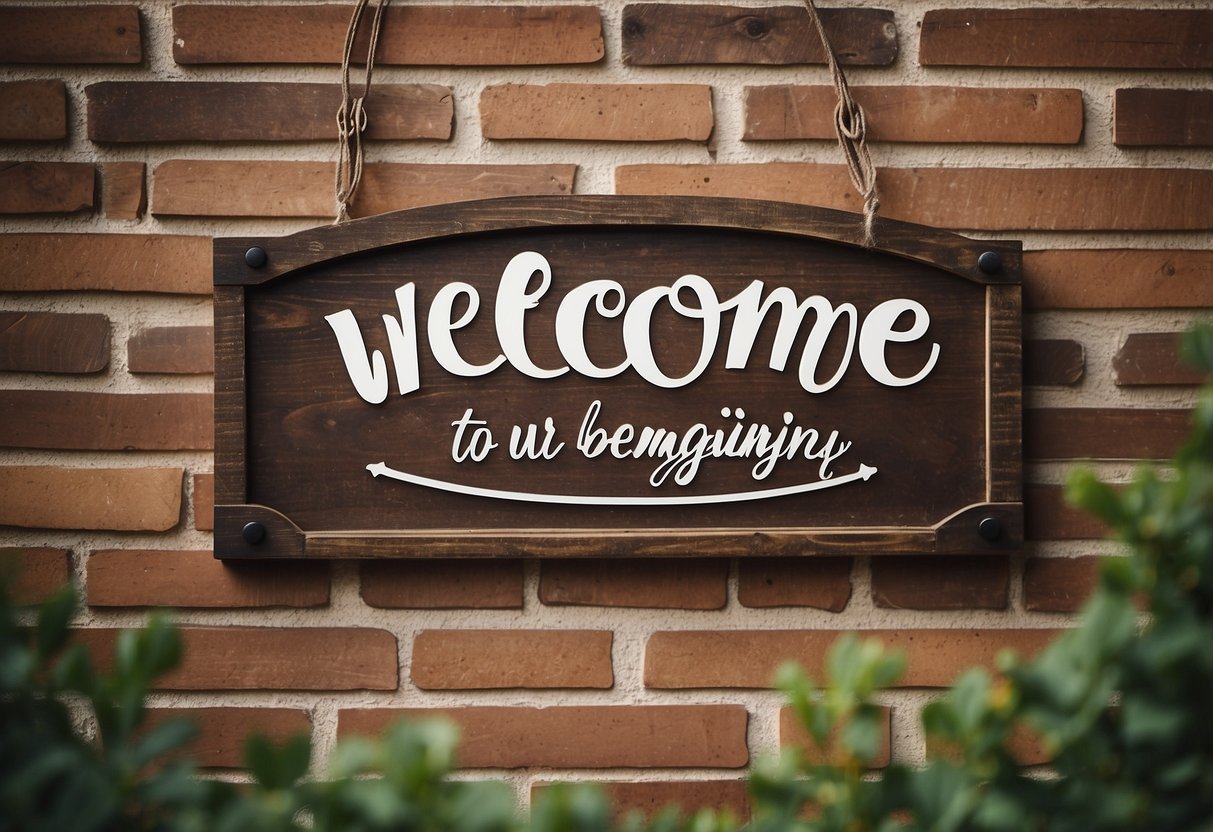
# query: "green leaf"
54,620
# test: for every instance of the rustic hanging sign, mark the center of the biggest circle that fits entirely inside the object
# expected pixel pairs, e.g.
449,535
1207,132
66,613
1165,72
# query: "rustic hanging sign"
616,376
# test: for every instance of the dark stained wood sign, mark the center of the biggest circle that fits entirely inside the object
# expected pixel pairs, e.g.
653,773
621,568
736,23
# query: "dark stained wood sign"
616,376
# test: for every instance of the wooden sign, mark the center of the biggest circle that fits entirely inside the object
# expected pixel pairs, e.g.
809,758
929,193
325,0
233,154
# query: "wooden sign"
616,376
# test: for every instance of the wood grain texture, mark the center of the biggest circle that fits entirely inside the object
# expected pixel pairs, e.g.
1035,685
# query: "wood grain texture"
117,499
598,112
123,190
663,34
1101,38
1053,362
1153,358
500,659
70,34
823,583
1004,389
450,35
1104,433
70,420
33,111
1118,279
305,189
47,187
54,342
176,350
919,114
258,111
1168,118
106,262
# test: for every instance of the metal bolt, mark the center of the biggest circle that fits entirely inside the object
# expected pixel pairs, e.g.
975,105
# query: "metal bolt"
990,262
253,533
990,529
256,257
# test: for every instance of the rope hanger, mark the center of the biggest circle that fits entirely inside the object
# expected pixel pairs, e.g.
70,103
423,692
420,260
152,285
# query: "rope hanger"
849,123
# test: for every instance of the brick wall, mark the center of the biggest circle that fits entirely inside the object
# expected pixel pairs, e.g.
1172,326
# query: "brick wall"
130,133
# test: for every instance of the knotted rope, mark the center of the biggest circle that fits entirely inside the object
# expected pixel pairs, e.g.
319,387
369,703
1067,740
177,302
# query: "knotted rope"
851,129
352,115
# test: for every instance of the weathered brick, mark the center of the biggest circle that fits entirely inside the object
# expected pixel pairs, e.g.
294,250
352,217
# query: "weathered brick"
123,190
187,350
54,342
1152,358
662,34
222,732
592,736
204,502
105,262
824,583
271,658
1047,516
673,583
598,112
1094,38
451,35
1053,362
70,34
1176,118
1142,199
1104,433
749,658
651,798
1118,279
70,420
944,582
47,187
1059,584
35,573
1023,744
443,584
186,187
792,734
33,111
117,499
158,578
919,114
487,659
219,111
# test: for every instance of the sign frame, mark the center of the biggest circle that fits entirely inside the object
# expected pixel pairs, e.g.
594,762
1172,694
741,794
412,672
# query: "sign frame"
247,530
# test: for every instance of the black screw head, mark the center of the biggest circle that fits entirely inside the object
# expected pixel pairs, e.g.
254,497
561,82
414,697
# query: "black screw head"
256,257
253,533
990,529
990,262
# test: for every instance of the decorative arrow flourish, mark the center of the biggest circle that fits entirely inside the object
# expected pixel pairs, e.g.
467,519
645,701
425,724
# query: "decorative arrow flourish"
381,469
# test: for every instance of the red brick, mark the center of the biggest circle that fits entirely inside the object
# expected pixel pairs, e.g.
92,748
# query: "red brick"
271,658
1047,516
54,342
443,584
219,111
792,734
919,114
823,583
35,574
451,35
593,736
70,35
943,582
1053,362
598,112
749,658
116,499
701,584
1176,118
1118,279
186,350
105,262
305,189
651,798
123,190
1104,433
1153,358
47,187
157,578
1059,584
1052,199
69,420
222,732
489,659
1081,38
33,111
1024,745
204,502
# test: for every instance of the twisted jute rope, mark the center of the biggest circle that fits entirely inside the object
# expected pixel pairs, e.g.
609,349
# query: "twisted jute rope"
352,114
851,129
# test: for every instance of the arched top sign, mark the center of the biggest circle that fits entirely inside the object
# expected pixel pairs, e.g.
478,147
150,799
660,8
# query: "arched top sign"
616,376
